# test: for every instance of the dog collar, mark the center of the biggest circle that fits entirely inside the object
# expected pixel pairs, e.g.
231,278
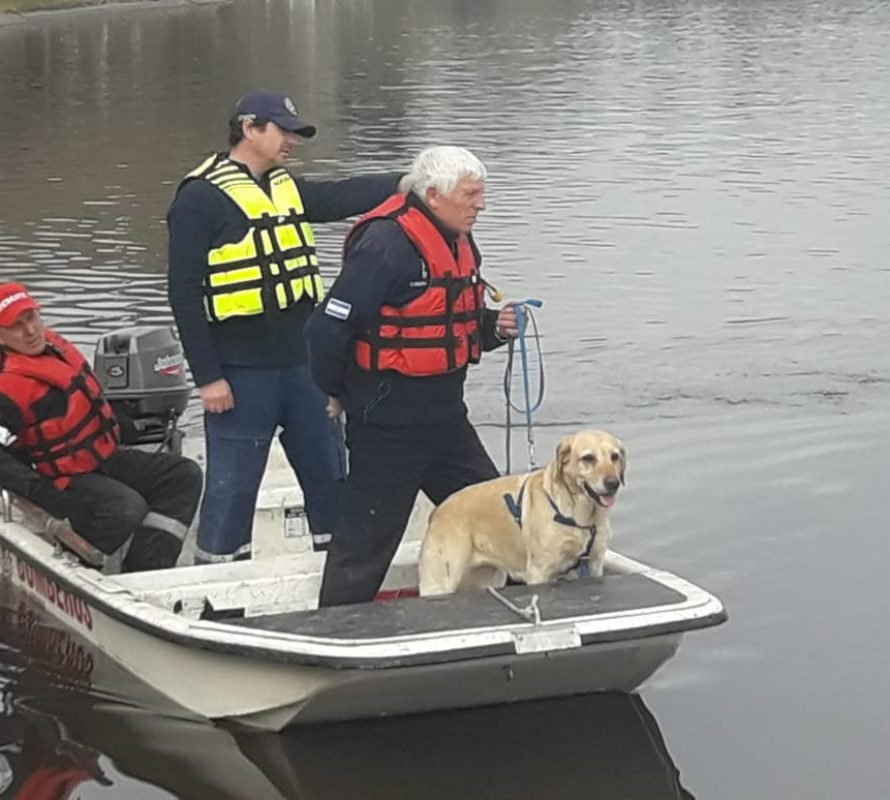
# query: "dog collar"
562,519
514,506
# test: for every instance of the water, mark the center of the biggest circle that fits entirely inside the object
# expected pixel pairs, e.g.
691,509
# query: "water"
697,192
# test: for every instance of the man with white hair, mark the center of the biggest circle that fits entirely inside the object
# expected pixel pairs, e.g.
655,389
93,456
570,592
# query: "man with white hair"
391,345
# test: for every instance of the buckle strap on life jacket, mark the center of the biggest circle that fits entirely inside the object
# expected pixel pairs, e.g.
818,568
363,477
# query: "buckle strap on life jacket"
47,450
79,383
423,321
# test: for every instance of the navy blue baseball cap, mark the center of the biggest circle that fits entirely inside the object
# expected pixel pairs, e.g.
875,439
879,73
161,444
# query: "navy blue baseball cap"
262,107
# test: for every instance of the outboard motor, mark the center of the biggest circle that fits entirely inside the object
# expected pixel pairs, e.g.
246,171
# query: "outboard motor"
142,373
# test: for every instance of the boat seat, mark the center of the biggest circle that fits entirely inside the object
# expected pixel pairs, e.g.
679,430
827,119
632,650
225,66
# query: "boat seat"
62,535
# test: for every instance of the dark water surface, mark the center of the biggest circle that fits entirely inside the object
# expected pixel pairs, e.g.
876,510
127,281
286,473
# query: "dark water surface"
698,192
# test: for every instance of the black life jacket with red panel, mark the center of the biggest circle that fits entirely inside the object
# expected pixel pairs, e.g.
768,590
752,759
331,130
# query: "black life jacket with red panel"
72,442
440,330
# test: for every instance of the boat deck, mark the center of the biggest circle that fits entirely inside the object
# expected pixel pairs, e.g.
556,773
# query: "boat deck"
474,613
567,600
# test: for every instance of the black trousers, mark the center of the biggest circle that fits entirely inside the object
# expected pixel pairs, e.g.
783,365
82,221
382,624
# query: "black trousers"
150,496
387,468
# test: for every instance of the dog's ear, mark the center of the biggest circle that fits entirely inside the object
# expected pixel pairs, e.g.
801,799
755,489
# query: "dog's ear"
623,454
563,453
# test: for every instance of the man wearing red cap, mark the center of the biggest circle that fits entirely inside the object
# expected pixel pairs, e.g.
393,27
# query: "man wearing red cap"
61,447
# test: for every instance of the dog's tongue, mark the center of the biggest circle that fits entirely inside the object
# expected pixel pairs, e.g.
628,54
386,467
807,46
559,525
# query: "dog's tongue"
607,500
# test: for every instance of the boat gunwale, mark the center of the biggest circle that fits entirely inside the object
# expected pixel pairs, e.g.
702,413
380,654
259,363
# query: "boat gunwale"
700,609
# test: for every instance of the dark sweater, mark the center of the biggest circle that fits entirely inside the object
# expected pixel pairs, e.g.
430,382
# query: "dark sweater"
201,218
382,267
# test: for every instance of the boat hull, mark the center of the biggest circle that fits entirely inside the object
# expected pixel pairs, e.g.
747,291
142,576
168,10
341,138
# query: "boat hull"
260,676
620,666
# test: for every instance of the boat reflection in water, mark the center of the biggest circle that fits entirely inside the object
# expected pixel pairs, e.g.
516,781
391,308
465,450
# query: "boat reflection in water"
69,720
606,746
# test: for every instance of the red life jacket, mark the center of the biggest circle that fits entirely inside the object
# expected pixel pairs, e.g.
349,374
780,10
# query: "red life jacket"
439,331
78,440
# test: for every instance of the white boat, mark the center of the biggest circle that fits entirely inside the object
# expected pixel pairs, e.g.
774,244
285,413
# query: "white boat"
72,699
244,641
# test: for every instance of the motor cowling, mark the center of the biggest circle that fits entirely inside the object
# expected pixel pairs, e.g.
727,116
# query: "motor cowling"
142,373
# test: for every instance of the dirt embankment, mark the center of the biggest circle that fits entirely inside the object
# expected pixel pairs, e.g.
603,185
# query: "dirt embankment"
24,6
12,11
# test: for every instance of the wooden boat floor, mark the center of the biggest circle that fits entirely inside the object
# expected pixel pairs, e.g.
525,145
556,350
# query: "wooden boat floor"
412,616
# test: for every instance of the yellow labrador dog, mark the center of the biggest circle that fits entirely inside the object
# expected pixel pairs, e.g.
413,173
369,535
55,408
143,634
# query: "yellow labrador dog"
530,527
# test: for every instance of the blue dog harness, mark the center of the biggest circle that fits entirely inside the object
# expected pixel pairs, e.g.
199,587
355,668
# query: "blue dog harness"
514,506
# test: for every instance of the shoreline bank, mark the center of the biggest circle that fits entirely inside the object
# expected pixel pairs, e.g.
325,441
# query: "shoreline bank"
15,12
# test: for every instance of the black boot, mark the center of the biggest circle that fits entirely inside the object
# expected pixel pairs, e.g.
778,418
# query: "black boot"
152,549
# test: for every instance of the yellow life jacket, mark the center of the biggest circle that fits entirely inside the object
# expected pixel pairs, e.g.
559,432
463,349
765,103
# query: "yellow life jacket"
274,265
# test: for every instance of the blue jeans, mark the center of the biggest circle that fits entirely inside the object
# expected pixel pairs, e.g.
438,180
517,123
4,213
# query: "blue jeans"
238,443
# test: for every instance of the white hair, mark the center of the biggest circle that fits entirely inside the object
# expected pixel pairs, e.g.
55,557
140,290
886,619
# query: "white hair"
442,168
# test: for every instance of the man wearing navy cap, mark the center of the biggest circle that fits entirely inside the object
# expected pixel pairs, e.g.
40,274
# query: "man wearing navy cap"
243,280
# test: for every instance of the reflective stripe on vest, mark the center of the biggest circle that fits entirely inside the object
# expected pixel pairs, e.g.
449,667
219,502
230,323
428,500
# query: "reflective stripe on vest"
84,435
438,331
275,264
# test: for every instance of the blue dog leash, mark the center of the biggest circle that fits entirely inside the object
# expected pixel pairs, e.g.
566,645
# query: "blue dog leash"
524,317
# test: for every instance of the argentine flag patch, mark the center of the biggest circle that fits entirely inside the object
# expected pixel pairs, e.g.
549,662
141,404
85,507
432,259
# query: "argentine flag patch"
337,308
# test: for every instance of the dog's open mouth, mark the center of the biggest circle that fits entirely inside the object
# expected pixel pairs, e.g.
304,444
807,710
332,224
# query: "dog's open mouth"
605,500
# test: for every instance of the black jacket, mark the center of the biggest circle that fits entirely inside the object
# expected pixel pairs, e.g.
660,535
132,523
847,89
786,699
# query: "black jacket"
200,218
382,267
